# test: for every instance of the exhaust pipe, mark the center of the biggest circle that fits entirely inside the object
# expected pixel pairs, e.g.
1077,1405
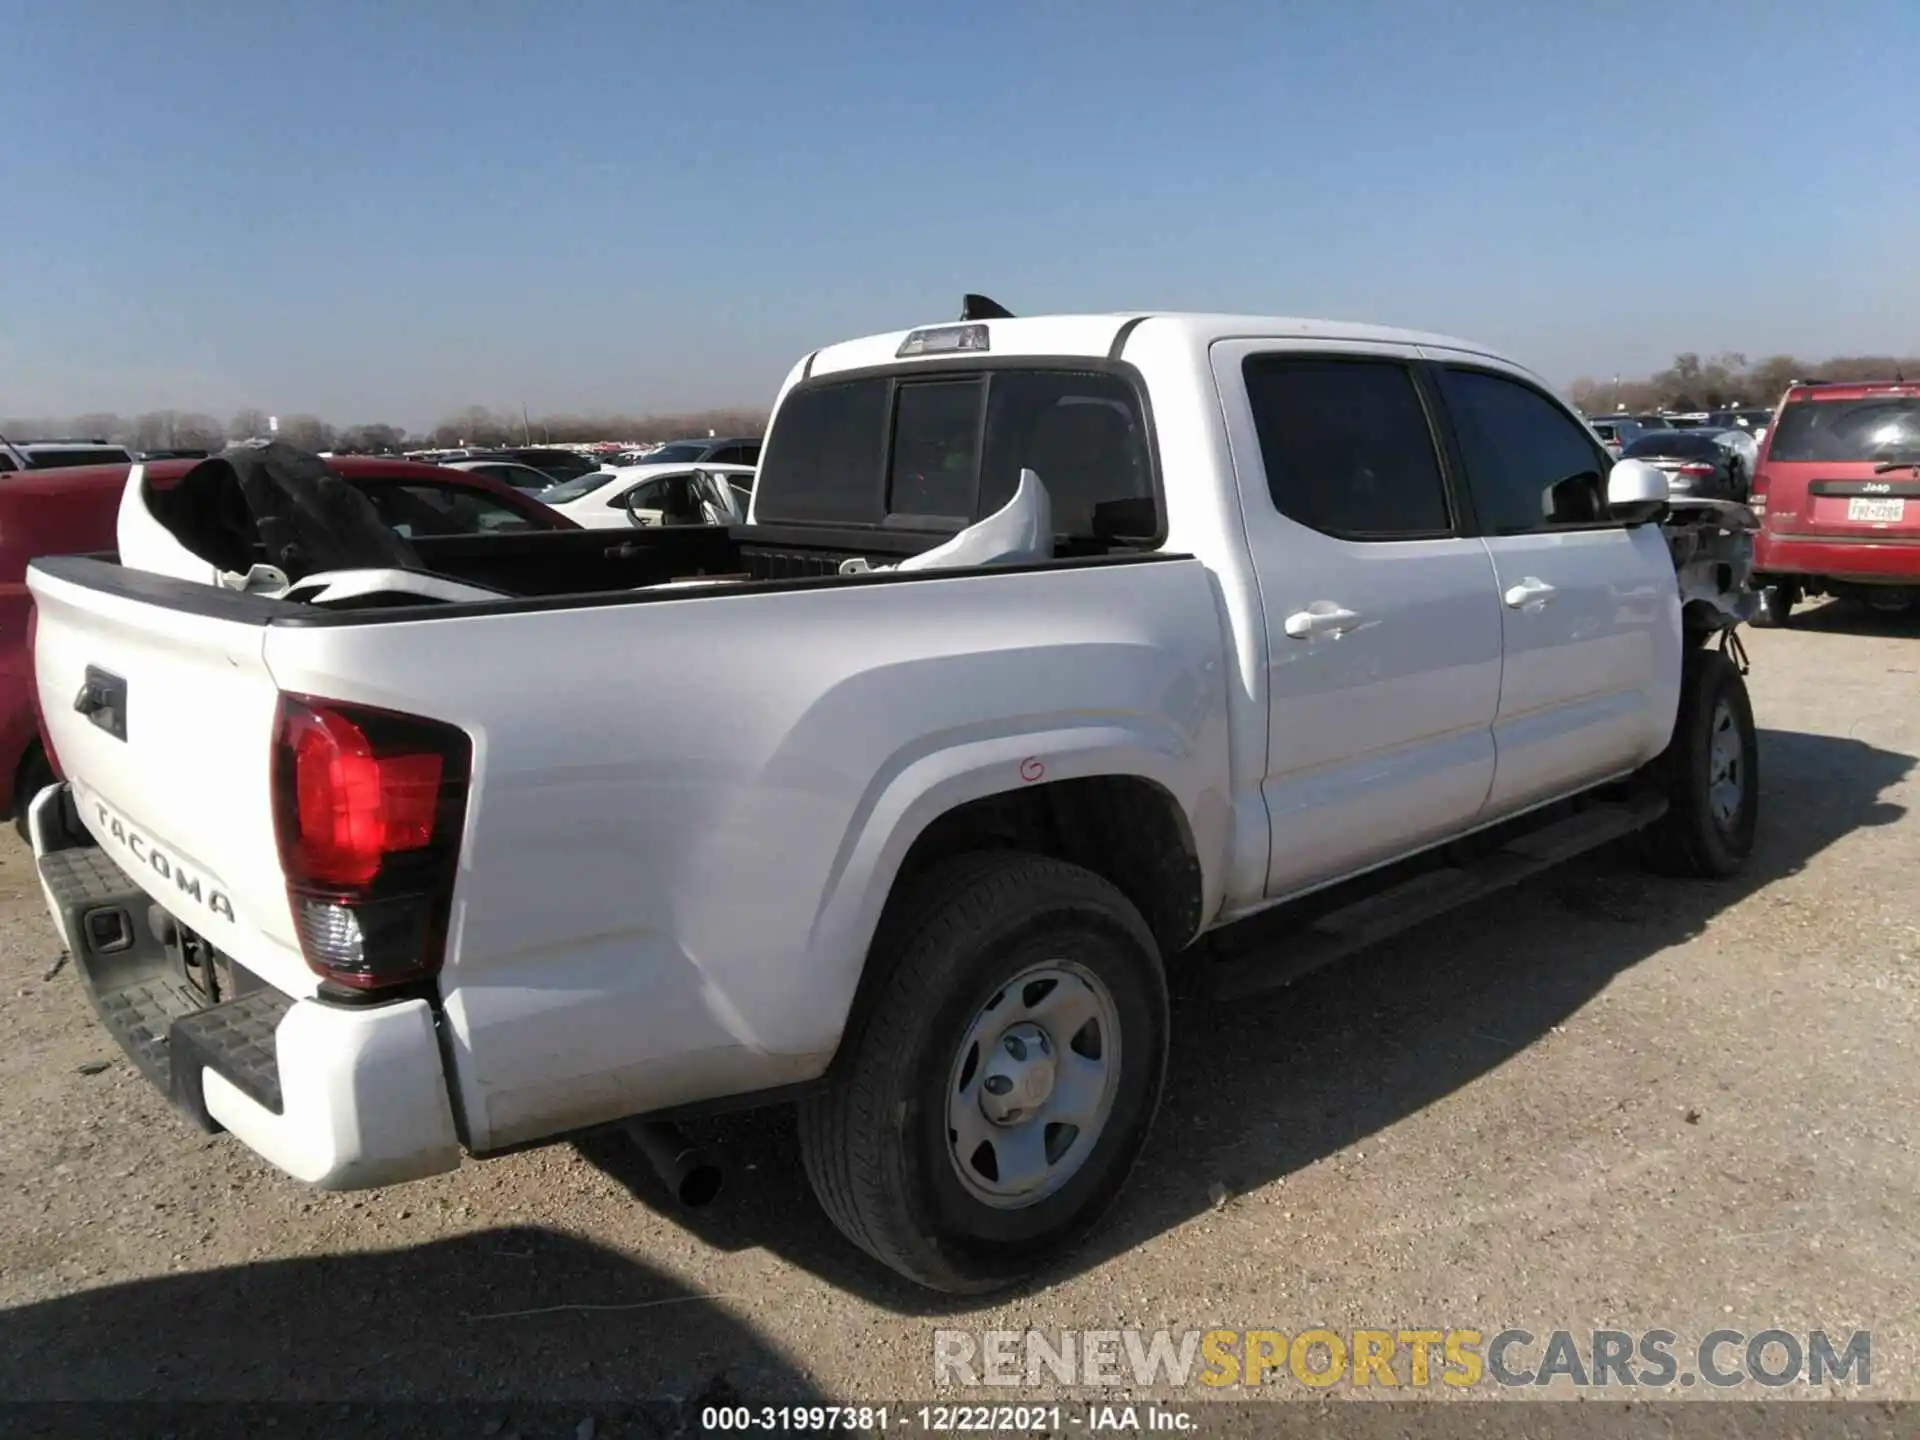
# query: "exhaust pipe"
691,1177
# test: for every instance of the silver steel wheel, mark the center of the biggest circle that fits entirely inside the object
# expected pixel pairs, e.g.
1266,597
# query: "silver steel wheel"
1032,1085
1726,767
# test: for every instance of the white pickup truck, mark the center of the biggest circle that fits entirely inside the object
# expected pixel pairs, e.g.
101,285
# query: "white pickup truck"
1333,626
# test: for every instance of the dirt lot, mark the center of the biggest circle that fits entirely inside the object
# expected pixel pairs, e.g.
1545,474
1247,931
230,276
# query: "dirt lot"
1600,1101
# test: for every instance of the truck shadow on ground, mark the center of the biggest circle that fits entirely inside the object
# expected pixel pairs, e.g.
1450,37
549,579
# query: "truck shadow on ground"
1264,1087
1847,617
529,1330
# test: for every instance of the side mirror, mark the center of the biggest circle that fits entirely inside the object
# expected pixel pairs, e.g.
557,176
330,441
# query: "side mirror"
1636,492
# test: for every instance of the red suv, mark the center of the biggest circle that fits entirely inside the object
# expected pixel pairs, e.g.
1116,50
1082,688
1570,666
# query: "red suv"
1837,486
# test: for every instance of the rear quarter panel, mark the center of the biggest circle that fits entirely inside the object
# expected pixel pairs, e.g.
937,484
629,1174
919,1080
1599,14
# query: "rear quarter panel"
687,813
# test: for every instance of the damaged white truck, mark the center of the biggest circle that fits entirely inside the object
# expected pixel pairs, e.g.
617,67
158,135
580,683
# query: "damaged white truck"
1059,660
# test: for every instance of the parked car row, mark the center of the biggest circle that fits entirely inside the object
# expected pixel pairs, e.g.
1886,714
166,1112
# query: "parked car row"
1620,429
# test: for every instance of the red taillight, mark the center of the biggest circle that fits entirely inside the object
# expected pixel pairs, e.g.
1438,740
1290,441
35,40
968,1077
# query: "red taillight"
368,810
1694,472
353,808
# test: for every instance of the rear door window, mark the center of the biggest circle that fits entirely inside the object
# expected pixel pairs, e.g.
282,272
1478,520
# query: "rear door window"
1347,447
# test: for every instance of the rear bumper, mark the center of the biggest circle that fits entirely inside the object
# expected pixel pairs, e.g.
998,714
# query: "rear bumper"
1864,561
342,1097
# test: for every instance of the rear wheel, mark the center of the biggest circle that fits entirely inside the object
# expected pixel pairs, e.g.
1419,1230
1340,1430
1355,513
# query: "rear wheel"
1710,774
1776,604
1005,1081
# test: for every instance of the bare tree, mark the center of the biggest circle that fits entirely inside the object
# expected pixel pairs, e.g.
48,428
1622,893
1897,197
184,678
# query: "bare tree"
196,431
154,430
248,424
1729,380
371,440
96,425
308,432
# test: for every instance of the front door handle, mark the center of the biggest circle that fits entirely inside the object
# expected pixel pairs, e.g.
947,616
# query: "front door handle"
1530,594
1323,617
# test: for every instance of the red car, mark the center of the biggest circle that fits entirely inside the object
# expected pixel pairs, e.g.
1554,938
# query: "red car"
75,511
1837,486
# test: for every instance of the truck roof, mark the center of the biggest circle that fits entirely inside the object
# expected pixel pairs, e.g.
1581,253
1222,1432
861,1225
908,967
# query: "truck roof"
1094,336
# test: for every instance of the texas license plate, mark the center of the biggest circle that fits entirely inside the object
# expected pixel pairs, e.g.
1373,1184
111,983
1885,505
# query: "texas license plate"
1859,508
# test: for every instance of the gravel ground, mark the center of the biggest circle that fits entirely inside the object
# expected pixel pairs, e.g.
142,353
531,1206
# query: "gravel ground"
1599,1101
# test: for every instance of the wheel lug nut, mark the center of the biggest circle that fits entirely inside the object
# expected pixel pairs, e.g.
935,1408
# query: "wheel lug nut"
998,1085
1016,1047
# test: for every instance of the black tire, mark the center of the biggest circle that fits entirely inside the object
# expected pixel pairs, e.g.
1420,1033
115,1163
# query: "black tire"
1696,838
876,1143
1776,605
35,775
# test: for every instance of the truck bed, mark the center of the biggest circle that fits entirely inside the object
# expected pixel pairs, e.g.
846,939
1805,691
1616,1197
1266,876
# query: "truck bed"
662,779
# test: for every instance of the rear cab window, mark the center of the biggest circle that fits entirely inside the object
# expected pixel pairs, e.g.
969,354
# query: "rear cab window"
937,450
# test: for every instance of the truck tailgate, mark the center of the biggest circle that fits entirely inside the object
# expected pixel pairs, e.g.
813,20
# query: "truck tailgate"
162,720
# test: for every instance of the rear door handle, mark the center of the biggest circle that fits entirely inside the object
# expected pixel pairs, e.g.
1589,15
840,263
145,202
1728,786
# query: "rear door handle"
1530,594
1323,617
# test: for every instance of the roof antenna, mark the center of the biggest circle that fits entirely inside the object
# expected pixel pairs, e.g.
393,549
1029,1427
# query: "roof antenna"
979,307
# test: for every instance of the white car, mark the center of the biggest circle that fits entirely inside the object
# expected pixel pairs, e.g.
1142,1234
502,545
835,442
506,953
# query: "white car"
644,494
905,801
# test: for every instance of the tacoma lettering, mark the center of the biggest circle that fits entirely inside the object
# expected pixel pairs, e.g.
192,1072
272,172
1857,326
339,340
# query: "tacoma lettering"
142,849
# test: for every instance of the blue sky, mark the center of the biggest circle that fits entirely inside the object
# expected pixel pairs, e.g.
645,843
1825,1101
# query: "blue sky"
386,211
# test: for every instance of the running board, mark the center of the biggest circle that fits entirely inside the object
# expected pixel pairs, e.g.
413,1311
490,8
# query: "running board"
1264,960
